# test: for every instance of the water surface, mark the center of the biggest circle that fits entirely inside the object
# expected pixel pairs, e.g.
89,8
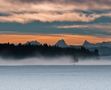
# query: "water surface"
55,77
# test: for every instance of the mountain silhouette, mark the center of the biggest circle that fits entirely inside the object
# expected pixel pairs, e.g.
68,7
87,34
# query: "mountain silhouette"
61,43
104,48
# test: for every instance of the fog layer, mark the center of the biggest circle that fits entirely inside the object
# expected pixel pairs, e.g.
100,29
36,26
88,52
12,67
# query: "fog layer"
55,61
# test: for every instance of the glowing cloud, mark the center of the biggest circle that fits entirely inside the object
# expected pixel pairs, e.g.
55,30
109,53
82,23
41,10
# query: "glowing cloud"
24,11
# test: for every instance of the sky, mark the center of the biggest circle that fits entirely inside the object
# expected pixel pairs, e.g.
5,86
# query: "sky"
50,20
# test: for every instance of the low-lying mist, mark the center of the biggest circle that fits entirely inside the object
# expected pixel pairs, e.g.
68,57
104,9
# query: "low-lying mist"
65,60
103,60
38,61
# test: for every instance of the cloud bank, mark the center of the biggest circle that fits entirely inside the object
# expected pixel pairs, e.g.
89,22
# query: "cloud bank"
38,61
77,17
54,61
24,11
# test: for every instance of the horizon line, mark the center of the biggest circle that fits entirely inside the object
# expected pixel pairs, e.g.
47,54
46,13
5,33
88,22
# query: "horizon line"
53,44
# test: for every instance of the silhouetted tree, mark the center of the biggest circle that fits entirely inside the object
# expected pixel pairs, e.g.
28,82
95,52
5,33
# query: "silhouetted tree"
24,51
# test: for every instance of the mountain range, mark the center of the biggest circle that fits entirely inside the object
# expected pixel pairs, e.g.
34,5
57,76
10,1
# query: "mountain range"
104,48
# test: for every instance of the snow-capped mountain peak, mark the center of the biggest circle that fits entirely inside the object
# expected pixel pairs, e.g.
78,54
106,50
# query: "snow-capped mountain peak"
33,43
61,43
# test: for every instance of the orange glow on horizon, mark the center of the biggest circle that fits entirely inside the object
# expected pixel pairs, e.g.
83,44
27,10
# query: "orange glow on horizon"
51,39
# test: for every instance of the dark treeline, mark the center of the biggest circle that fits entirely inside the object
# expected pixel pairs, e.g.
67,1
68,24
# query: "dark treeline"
21,51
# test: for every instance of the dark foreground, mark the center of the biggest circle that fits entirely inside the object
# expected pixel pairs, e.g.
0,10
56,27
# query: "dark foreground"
21,51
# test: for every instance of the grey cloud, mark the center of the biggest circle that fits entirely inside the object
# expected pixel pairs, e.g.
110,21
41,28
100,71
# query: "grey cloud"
89,12
63,1
4,14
